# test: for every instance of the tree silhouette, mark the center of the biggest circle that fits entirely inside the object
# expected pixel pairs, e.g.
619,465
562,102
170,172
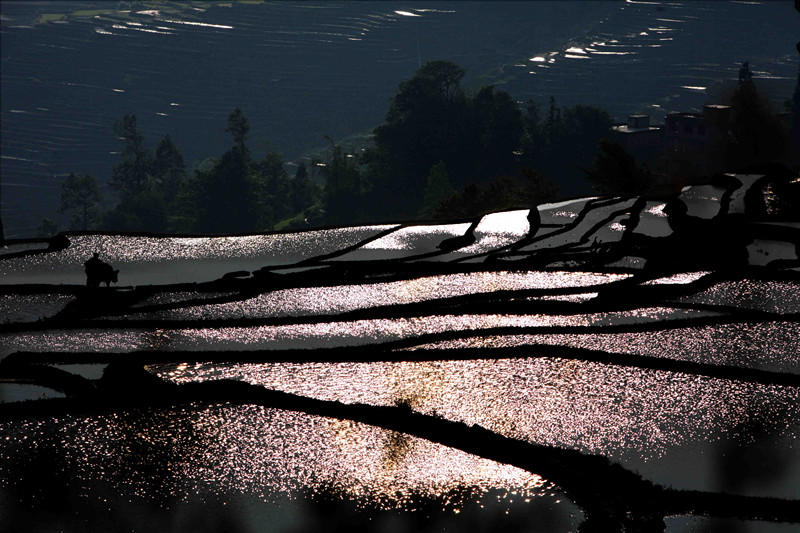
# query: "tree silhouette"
342,195
437,189
535,187
501,193
226,196
756,134
533,136
274,188
47,228
239,127
428,121
499,123
80,194
431,119
132,173
795,115
169,168
563,142
304,192
143,211
614,171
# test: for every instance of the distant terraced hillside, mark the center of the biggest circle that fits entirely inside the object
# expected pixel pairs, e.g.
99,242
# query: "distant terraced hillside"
303,70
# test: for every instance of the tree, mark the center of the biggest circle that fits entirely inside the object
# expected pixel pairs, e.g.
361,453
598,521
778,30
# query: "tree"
499,194
80,194
47,228
498,121
431,119
226,198
564,142
169,168
184,214
535,187
428,121
274,189
614,171
437,189
144,184
533,136
304,192
132,174
468,202
143,211
239,127
436,83
756,134
342,195
794,109
553,120
745,74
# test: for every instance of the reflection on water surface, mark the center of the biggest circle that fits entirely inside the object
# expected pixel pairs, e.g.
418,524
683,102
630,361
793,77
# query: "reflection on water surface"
680,368
595,407
265,453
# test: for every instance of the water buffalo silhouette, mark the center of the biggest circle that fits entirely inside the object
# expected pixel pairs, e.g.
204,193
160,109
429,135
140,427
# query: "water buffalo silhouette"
98,271
106,274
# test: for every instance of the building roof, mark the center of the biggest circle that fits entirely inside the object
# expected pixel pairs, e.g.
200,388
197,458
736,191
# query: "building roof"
623,128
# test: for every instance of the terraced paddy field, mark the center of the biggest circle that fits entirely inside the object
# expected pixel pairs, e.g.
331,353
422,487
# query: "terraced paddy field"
601,362
303,70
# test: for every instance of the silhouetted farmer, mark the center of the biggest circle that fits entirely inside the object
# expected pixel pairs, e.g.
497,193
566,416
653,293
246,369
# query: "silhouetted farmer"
745,75
98,271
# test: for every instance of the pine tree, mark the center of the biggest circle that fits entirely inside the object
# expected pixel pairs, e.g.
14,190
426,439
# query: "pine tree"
169,168
80,194
239,127
132,174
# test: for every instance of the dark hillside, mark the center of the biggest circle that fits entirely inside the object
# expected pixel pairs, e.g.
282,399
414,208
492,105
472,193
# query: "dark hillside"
301,71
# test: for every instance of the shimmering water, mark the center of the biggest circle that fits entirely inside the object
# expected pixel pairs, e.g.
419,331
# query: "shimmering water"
597,408
257,450
344,298
153,260
771,346
686,376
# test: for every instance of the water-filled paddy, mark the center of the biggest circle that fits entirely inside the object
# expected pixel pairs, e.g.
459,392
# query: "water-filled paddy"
681,370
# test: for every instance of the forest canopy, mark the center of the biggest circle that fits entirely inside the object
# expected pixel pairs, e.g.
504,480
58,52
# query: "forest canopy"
442,152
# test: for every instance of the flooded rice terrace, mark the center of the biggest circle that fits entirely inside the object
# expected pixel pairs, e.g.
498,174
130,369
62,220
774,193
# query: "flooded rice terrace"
610,363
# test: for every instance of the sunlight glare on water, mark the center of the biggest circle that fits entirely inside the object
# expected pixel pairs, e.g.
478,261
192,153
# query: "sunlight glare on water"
769,296
681,278
653,221
562,212
769,346
262,452
321,335
142,260
595,407
405,242
702,200
31,307
498,229
343,298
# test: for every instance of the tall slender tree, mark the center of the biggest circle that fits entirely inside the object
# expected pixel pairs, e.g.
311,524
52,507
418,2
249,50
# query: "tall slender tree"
80,195
239,127
304,192
227,199
132,174
343,193
169,168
